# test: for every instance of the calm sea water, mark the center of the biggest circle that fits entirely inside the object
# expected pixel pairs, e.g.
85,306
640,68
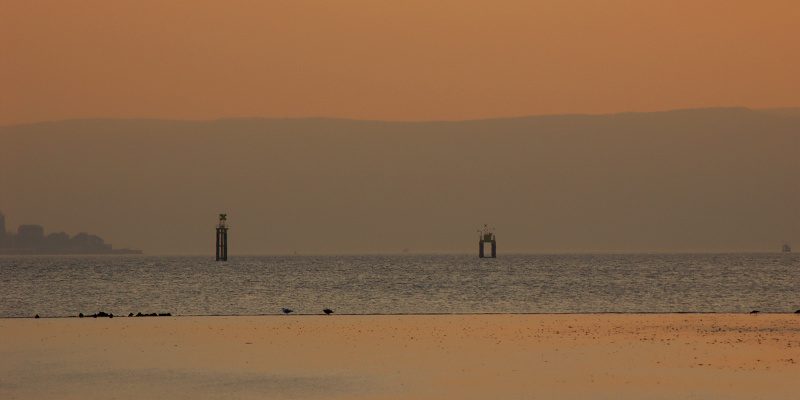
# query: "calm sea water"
406,284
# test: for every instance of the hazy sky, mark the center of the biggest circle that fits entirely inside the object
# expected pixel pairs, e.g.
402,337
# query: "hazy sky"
392,60
723,180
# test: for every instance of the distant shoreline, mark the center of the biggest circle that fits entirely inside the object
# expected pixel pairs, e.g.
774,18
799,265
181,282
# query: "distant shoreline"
33,252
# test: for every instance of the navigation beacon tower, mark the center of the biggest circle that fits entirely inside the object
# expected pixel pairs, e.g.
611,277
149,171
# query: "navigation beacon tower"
222,238
486,236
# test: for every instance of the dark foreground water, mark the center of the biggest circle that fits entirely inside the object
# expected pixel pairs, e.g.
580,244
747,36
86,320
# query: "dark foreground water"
408,284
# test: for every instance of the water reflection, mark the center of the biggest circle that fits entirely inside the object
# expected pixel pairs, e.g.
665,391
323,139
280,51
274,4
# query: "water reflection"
409,284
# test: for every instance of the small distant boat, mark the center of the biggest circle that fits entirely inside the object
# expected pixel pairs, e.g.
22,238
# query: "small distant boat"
786,248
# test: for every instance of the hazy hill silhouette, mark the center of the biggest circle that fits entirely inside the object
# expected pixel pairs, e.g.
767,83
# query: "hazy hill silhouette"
689,180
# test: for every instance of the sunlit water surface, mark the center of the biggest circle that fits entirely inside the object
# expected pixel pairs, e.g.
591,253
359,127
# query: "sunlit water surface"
399,284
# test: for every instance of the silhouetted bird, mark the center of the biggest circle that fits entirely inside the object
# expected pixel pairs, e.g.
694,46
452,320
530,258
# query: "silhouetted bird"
286,310
37,316
754,312
797,312
327,311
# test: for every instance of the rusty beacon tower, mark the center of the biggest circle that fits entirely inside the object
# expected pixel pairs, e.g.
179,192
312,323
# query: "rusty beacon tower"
486,236
222,238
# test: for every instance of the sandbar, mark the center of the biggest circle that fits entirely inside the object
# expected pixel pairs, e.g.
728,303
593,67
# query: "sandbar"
509,356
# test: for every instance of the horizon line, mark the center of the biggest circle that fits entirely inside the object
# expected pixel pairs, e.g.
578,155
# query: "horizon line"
791,108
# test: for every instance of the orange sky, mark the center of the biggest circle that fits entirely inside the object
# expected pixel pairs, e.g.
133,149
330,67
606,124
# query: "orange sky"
398,60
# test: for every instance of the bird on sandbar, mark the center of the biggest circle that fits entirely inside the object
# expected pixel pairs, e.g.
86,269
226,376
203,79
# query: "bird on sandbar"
286,311
754,312
327,311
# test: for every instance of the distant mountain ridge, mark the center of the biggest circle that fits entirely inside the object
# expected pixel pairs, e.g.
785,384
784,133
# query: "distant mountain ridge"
785,111
788,111
717,179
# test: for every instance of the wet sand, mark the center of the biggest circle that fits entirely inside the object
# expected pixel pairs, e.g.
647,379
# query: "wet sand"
652,356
